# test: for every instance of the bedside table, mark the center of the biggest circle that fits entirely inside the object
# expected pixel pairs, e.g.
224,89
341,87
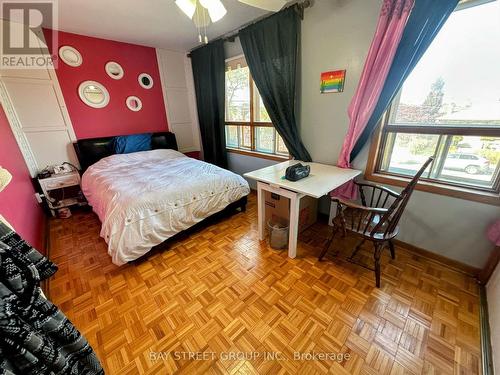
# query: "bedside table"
62,190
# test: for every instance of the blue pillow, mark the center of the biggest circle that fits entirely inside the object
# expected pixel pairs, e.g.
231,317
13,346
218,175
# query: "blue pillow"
125,144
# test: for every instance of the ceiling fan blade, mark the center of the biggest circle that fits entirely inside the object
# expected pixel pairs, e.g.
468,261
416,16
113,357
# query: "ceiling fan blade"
215,8
270,5
187,6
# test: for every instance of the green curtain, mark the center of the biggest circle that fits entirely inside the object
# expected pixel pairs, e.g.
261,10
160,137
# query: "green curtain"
271,49
209,74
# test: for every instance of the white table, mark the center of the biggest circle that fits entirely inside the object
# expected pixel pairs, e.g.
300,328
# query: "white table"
322,179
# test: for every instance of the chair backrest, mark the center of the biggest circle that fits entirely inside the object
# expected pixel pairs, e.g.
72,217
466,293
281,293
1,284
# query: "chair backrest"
391,218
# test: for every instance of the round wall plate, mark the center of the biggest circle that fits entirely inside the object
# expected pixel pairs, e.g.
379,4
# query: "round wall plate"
134,103
114,70
145,80
94,94
70,56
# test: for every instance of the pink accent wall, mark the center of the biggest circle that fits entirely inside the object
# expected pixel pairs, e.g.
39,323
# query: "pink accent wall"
17,201
115,118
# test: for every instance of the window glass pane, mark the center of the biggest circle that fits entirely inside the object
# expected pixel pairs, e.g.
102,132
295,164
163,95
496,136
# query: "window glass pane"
457,81
471,161
405,153
245,137
238,94
260,112
280,145
237,107
264,139
231,136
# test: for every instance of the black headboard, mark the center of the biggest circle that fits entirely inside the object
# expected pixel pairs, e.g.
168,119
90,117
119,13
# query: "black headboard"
91,150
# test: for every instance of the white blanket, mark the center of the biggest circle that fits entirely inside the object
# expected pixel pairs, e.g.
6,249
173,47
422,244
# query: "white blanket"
144,198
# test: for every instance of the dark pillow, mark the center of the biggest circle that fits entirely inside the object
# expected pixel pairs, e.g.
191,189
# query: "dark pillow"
125,144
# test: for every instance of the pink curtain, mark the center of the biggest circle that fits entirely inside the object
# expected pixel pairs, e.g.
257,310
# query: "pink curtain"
494,233
390,27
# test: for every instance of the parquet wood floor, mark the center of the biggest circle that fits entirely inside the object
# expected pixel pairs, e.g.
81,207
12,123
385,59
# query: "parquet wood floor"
222,291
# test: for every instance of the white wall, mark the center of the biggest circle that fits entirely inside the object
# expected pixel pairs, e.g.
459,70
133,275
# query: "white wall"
178,94
493,297
336,34
35,107
242,164
232,49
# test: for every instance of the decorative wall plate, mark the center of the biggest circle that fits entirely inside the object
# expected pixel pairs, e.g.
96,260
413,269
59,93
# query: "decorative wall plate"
114,70
93,94
70,56
145,80
134,103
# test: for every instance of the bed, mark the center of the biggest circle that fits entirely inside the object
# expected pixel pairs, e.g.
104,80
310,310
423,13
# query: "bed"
144,198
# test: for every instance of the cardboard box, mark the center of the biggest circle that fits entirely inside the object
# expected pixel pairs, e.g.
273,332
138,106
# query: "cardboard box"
278,210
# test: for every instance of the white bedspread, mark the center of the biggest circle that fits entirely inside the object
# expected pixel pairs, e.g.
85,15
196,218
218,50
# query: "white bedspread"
144,198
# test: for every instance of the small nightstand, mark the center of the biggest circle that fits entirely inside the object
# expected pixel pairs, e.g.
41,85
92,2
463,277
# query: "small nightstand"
62,190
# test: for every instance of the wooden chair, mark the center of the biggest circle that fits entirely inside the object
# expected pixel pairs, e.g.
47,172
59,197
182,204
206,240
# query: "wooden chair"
376,221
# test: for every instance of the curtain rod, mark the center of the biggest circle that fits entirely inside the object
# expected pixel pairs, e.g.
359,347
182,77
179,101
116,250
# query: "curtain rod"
231,35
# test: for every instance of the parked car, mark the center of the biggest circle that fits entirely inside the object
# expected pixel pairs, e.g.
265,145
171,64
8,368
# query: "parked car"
470,163
495,146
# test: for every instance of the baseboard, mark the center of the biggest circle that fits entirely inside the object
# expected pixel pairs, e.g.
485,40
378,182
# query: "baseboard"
484,323
455,264
45,236
46,250
490,266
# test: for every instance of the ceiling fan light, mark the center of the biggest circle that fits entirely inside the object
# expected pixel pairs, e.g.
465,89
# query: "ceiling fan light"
187,6
215,8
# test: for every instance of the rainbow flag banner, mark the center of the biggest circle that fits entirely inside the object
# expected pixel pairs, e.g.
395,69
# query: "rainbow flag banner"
332,81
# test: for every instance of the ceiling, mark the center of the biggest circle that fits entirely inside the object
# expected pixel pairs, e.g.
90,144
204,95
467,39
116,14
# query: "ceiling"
155,23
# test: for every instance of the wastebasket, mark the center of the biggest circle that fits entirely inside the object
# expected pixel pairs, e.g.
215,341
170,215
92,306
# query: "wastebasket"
278,234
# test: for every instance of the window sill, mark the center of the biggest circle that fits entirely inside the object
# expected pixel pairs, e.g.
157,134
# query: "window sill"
258,154
436,188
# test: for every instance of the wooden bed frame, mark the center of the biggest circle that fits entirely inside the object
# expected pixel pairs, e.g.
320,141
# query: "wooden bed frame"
91,150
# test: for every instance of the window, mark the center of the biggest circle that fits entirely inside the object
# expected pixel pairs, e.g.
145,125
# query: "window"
248,126
449,108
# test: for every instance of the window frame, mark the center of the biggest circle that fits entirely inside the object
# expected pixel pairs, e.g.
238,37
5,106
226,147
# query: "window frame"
430,185
373,170
252,124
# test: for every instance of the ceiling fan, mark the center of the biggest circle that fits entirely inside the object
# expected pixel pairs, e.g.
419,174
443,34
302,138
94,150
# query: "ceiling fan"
204,12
